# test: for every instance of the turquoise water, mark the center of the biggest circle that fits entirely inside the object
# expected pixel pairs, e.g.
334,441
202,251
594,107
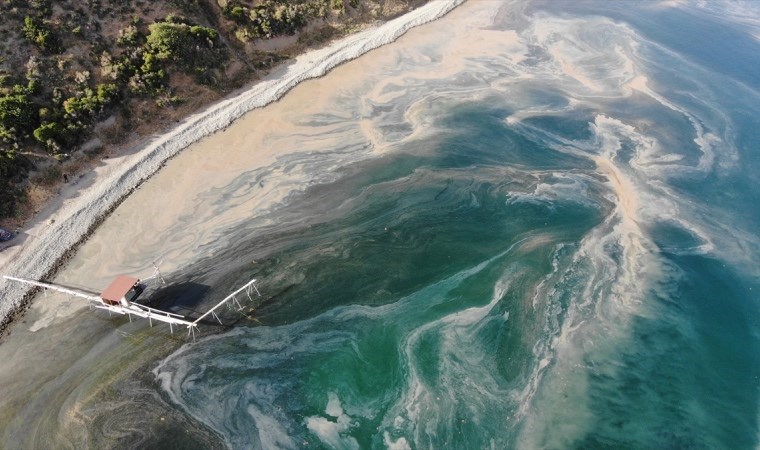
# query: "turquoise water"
489,283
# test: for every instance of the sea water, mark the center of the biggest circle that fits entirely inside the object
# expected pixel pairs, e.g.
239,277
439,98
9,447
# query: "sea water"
533,225
566,257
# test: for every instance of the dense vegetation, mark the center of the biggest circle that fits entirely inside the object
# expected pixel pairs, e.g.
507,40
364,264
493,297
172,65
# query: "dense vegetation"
269,18
67,65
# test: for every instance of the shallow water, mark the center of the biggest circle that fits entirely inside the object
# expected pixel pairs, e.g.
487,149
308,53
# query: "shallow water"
515,227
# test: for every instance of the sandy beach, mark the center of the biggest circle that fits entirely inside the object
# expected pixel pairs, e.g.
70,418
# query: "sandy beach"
57,230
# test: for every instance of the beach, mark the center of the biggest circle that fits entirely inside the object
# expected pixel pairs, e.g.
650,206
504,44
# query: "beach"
56,233
127,219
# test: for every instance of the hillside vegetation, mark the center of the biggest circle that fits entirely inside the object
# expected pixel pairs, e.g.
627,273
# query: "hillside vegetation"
79,75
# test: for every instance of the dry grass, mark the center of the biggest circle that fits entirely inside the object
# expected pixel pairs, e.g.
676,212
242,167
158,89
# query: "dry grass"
37,196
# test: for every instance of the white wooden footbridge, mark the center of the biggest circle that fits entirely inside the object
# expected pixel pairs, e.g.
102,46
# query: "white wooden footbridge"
119,297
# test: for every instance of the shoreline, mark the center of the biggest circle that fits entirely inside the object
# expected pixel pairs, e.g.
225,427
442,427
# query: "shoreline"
77,218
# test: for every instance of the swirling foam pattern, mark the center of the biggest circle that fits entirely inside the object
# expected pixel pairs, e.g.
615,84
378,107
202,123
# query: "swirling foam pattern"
529,225
555,251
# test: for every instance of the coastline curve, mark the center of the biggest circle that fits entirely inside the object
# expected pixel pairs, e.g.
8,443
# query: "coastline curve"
42,256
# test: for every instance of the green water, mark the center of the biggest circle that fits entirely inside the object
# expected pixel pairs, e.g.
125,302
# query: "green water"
486,286
548,252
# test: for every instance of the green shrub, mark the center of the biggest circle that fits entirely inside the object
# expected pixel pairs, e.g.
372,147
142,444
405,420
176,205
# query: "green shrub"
235,12
337,5
107,92
48,131
40,35
52,135
179,42
129,37
90,103
40,4
17,116
83,106
192,48
272,18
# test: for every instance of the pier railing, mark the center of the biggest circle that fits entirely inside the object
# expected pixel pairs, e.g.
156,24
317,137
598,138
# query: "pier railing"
147,312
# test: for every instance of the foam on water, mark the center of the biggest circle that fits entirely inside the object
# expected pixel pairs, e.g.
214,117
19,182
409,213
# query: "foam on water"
504,234
309,341
579,92
77,218
590,303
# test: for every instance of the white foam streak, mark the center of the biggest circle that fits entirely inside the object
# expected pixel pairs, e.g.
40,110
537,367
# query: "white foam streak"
427,408
744,13
422,409
556,187
580,56
617,265
274,346
333,433
271,433
399,444
707,142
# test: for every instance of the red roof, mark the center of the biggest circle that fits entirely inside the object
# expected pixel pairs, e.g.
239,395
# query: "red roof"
118,288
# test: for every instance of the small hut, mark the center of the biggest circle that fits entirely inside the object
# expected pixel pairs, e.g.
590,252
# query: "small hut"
122,290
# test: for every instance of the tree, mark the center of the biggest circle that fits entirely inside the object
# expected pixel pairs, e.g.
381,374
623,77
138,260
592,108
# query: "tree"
107,92
40,35
52,135
17,115
190,47
128,37
179,42
88,103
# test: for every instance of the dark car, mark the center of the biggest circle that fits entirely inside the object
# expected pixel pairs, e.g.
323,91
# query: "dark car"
5,235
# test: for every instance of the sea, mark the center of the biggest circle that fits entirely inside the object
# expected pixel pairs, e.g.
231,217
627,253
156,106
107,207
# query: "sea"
528,224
